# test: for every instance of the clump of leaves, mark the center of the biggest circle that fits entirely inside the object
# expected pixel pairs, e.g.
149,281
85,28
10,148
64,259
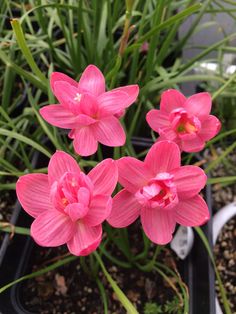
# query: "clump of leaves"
173,306
152,308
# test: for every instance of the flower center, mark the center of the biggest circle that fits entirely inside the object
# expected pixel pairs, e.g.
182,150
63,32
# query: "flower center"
71,194
182,123
78,97
160,192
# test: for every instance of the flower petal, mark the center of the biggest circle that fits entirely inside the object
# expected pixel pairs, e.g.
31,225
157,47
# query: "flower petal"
116,100
133,173
192,145
209,128
85,144
189,181
59,164
157,119
163,156
112,102
59,116
33,193
192,212
52,228
84,120
131,90
85,240
172,99
109,131
168,133
76,211
158,225
99,210
104,177
125,210
88,105
92,81
58,76
199,104
67,96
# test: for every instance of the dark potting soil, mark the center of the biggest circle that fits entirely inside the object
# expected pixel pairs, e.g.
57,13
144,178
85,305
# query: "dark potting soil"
7,203
69,289
222,194
225,252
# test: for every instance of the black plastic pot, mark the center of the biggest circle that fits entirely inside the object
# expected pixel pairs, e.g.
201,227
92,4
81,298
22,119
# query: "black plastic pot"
196,269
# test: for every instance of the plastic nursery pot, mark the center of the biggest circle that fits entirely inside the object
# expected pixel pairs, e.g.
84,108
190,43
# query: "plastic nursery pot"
195,270
219,221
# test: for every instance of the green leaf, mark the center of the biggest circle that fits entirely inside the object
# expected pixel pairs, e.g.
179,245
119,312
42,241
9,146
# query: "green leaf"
40,272
25,140
26,52
119,293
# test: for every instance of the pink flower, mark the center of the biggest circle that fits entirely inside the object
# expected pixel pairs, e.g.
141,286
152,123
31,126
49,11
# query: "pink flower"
160,191
68,206
186,121
91,113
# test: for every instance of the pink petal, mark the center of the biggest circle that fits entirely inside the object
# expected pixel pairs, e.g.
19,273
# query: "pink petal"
92,81
76,211
86,239
57,76
133,173
104,177
125,210
85,144
88,105
99,210
199,104
163,156
116,100
131,90
67,96
112,102
109,131
59,164
193,145
168,134
52,228
189,181
59,116
192,212
33,193
157,119
209,128
171,99
158,225
84,120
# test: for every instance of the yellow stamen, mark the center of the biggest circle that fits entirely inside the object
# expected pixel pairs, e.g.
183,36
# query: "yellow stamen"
64,201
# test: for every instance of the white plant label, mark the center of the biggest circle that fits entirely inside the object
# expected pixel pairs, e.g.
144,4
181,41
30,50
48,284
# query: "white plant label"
182,241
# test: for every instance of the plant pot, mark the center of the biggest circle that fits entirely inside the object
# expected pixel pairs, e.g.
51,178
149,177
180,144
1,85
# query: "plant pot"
219,220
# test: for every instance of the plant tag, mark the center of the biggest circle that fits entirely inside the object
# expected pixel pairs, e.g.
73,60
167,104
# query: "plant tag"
182,241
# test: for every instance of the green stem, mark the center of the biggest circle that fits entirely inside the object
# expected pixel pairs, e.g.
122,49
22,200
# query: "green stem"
120,295
223,87
7,227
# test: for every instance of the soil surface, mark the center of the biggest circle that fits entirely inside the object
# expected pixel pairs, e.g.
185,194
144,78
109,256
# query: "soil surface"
7,202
